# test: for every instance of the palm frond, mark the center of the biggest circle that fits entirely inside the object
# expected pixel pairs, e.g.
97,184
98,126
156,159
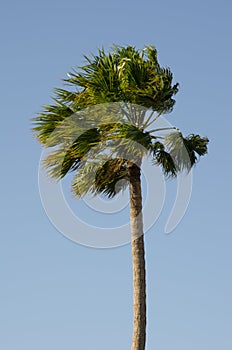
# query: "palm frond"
185,150
83,128
47,121
102,175
109,176
164,159
77,152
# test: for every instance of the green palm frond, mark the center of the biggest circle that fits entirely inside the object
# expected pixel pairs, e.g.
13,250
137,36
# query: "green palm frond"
87,128
130,131
77,152
47,121
65,96
197,144
126,74
185,150
108,176
102,175
124,141
163,158
84,178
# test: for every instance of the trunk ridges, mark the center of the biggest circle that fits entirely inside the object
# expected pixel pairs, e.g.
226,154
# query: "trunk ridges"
138,257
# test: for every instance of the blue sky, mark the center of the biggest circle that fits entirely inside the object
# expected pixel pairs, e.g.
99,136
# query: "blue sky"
59,295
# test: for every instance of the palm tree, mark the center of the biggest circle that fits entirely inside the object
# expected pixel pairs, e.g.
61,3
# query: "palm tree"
112,102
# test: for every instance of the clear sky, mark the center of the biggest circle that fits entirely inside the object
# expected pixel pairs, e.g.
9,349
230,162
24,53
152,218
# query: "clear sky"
56,294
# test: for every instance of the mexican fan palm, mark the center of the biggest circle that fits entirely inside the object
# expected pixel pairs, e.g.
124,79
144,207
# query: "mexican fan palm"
100,128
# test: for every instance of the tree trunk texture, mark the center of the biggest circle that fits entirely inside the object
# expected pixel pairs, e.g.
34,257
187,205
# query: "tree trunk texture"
138,258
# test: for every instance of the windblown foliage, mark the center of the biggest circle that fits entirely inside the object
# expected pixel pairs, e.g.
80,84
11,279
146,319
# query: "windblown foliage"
101,124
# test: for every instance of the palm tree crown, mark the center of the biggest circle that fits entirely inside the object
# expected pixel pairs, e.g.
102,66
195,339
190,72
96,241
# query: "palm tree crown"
134,80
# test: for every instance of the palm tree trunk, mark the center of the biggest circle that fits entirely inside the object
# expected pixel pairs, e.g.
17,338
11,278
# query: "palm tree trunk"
138,257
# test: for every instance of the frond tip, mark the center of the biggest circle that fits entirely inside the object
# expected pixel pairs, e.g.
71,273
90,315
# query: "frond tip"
162,158
185,151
